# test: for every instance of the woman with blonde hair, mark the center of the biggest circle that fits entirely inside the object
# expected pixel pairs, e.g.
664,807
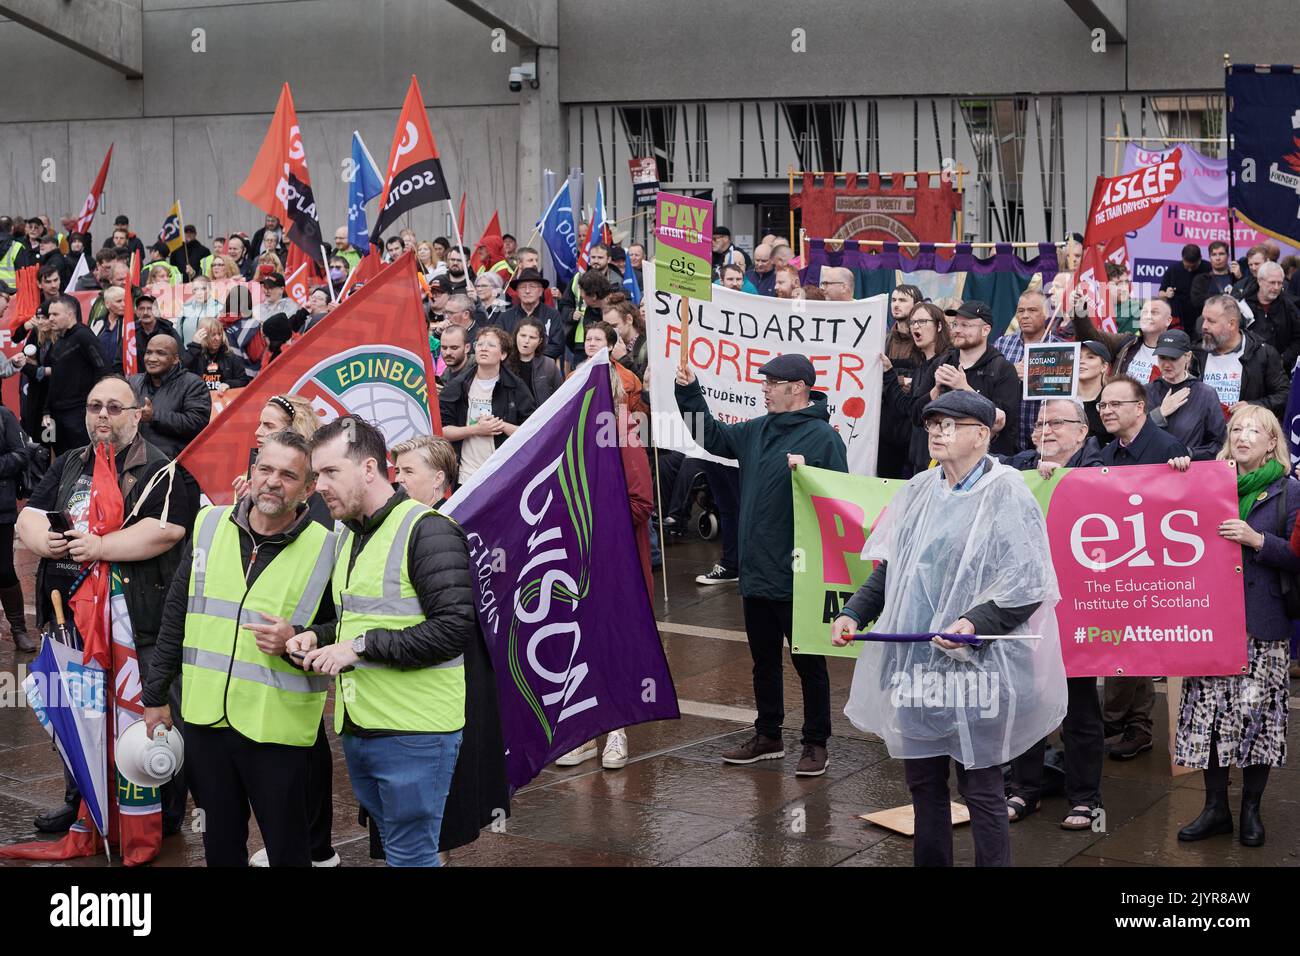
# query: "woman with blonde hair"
426,468
1241,720
209,357
427,257
223,268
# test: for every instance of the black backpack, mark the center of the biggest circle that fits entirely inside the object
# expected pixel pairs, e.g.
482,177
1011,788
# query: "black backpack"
38,463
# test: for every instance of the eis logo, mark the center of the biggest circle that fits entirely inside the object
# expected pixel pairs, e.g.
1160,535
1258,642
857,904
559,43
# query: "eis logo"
1098,542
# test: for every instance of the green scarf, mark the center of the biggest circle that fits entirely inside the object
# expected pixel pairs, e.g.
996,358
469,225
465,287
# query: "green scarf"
1252,483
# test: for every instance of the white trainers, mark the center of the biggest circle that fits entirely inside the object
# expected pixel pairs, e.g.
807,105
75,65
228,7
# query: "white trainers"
260,859
615,755
578,755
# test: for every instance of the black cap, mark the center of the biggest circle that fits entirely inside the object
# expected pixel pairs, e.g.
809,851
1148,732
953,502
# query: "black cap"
528,275
440,284
1099,348
6,288
144,297
962,404
721,231
1173,344
790,368
973,309
275,280
277,329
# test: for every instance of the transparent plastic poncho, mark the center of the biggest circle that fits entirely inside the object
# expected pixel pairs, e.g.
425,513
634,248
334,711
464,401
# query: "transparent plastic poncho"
949,552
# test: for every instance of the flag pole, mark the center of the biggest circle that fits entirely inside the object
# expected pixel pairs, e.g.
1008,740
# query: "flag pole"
663,551
185,246
684,312
1232,213
460,244
334,296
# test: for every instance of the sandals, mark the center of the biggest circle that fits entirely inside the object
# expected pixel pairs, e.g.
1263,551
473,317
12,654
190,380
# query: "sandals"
1078,812
1018,809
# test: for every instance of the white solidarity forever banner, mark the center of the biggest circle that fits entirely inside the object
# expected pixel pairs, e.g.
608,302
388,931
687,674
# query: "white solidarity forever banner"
736,333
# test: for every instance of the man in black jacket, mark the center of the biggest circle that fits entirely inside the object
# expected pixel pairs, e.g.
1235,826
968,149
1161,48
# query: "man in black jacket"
75,363
175,405
531,285
1238,365
1275,318
1061,440
236,751
973,366
1129,701
1176,284
1217,281
189,257
145,550
400,725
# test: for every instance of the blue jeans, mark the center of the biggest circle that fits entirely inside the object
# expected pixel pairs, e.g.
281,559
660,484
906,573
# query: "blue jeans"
402,781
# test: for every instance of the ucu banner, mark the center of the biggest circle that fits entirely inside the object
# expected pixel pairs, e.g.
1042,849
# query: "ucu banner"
1147,586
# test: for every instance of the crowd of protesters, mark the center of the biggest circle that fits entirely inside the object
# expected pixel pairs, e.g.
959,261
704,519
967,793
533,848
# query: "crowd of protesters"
1200,369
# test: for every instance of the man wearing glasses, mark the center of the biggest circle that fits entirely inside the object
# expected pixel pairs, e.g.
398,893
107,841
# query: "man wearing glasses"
1061,440
796,430
1138,441
837,283
145,550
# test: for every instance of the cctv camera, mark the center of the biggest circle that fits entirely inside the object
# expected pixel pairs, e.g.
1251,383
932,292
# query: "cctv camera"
524,71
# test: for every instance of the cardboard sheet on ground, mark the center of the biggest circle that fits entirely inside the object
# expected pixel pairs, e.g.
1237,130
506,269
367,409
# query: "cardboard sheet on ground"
903,819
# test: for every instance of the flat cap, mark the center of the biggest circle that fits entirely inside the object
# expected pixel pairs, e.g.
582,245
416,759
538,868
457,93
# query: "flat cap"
790,368
962,404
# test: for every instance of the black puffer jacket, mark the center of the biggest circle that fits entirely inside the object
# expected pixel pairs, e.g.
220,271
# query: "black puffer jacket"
181,408
512,402
223,368
13,460
438,558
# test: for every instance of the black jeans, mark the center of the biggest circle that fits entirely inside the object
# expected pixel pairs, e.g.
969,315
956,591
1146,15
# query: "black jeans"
767,625
229,773
1085,740
320,797
724,483
927,779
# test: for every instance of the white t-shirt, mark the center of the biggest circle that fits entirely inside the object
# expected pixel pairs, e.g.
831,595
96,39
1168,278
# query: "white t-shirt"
474,451
1139,367
1223,374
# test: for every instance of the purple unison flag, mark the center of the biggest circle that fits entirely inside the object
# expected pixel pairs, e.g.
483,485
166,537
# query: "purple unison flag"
561,597
1291,420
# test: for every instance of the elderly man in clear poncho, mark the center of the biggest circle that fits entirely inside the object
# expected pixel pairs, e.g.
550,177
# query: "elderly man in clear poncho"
962,550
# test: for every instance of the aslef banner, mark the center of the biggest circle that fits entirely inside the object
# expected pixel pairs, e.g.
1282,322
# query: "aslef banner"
1148,587
736,333
1196,211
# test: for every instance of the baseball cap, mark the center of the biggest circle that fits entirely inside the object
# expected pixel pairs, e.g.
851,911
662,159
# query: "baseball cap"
1173,344
972,309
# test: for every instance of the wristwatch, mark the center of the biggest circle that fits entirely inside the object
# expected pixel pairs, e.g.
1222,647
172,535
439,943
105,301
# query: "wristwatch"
359,646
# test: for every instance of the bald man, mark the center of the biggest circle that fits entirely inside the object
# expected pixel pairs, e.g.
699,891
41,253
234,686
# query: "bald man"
174,403
763,276
837,283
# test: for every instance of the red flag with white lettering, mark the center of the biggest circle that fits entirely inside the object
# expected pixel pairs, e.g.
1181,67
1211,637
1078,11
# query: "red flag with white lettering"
91,205
1121,204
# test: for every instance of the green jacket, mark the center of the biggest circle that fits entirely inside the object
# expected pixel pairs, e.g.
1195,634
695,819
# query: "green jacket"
766,535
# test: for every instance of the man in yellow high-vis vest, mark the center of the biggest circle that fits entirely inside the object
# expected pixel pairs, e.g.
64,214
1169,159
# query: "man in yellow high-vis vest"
255,574
405,603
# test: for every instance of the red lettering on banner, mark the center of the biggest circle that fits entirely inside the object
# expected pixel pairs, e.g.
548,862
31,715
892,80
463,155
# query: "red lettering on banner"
754,360
729,353
693,352
850,364
842,532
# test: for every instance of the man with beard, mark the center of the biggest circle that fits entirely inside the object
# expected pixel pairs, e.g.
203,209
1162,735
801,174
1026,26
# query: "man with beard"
455,260
174,403
145,550
249,728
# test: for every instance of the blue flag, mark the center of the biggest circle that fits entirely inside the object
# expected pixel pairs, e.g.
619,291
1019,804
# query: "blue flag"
561,236
1264,148
365,185
630,285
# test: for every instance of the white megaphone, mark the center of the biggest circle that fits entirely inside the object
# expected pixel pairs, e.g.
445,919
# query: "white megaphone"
146,761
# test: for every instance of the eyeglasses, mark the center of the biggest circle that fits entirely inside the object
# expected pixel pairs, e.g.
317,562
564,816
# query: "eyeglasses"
918,321
832,282
966,323
938,426
770,383
113,408
1106,406
1056,423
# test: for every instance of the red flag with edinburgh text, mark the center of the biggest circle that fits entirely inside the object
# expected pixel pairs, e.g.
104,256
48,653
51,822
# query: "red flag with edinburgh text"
414,172
369,357
279,184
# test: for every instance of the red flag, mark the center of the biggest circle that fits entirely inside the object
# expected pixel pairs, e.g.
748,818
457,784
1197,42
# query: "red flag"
492,241
299,273
369,357
370,266
279,184
27,300
91,205
1091,277
414,170
130,358
1122,204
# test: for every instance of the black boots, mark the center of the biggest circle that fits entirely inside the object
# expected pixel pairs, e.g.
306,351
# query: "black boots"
59,819
1214,819
11,598
1251,832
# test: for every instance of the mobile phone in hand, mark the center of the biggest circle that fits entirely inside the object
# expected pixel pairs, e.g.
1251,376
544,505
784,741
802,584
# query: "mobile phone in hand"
60,521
